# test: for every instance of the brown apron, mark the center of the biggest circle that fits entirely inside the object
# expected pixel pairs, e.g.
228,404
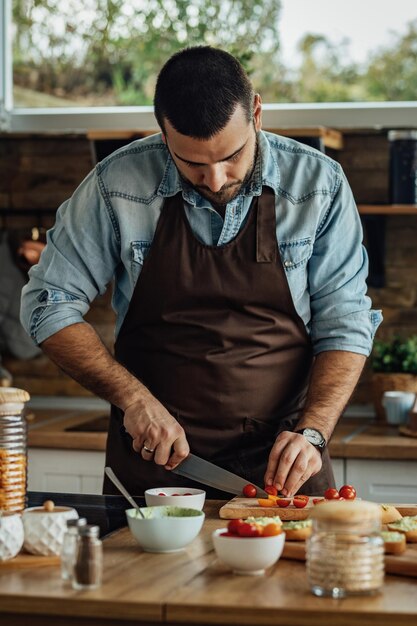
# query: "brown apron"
212,331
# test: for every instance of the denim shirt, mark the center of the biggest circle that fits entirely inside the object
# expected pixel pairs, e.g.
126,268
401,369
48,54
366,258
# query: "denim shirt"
105,230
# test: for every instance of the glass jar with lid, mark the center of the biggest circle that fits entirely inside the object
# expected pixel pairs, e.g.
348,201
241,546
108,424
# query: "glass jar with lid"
13,449
345,553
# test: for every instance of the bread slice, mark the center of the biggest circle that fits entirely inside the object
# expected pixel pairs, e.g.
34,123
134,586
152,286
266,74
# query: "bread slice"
406,525
389,514
394,542
298,530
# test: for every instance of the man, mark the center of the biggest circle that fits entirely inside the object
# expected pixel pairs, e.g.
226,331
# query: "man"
243,323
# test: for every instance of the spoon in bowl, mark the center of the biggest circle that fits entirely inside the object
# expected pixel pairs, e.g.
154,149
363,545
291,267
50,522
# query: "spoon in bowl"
109,472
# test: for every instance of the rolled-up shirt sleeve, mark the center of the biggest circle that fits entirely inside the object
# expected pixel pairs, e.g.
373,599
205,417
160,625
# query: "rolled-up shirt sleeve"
341,314
77,264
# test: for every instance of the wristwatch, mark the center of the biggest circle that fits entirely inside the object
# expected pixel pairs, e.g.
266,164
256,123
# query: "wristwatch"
314,437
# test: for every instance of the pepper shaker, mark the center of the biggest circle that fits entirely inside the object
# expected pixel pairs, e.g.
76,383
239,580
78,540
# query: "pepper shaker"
88,565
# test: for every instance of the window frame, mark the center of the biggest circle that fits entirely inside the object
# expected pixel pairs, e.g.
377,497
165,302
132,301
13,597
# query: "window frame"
82,119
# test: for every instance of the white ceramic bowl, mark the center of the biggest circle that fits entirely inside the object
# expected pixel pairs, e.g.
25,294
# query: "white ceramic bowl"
165,528
154,497
11,535
248,555
44,530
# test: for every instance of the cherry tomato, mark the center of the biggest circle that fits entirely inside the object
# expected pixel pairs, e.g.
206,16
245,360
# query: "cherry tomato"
175,494
272,529
283,503
331,494
266,502
249,530
271,490
300,503
227,534
187,494
348,492
301,497
162,494
234,525
249,491
318,500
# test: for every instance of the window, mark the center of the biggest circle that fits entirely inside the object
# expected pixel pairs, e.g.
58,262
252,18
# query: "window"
93,63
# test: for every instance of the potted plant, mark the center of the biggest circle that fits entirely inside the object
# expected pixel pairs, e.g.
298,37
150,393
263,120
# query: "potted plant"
394,366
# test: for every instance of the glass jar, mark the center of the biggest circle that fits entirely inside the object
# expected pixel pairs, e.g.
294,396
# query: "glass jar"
13,449
88,564
345,553
69,545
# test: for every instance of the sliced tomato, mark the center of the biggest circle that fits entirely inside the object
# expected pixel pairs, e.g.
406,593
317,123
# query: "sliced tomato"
272,529
234,525
227,534
348,492
300,503
249,491
301,497
249,530
318,500
283,503
266,502
331,494
271,490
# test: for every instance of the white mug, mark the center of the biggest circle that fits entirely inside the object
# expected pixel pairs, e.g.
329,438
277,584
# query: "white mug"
397,405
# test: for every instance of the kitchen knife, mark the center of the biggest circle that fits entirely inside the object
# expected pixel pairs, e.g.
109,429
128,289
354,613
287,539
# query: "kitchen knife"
207,473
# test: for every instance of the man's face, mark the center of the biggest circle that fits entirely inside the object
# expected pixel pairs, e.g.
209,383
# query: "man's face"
217,167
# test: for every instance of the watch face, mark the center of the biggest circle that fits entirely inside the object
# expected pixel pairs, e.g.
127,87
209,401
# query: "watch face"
313,436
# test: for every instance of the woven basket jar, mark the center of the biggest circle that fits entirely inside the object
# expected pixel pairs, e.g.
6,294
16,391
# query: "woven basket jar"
382,382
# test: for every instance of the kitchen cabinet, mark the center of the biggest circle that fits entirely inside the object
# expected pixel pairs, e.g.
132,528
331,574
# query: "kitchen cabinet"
65,471
383,481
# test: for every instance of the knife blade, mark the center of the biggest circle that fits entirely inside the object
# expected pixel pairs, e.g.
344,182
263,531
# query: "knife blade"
196,468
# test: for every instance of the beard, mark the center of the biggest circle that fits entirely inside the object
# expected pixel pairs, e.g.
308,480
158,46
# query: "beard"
229,191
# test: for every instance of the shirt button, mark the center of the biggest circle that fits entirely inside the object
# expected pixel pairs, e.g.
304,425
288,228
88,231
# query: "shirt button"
288,263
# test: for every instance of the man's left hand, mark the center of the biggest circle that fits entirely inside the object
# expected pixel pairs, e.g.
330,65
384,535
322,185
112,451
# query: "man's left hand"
292,461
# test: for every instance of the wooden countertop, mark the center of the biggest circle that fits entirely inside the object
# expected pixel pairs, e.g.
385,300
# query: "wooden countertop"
192,587
360,438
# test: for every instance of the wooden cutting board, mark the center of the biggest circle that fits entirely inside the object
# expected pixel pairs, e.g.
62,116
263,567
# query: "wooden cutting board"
402,564
24,559
249,507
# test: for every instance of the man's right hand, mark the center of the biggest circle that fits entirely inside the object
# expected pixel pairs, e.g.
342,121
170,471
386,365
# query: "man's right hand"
149,424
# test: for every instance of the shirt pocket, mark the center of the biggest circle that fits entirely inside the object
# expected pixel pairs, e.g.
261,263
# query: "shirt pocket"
138,253
295,254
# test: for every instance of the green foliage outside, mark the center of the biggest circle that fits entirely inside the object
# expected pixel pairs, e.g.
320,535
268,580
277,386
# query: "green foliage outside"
108,52
397,355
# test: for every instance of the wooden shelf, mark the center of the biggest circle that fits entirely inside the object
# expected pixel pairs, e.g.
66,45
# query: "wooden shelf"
387,209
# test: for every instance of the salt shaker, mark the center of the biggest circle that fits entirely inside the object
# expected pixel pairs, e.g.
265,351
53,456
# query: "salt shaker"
345,553
69,545
88,565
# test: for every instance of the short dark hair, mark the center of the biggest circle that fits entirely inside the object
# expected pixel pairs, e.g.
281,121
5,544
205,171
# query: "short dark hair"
198,90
